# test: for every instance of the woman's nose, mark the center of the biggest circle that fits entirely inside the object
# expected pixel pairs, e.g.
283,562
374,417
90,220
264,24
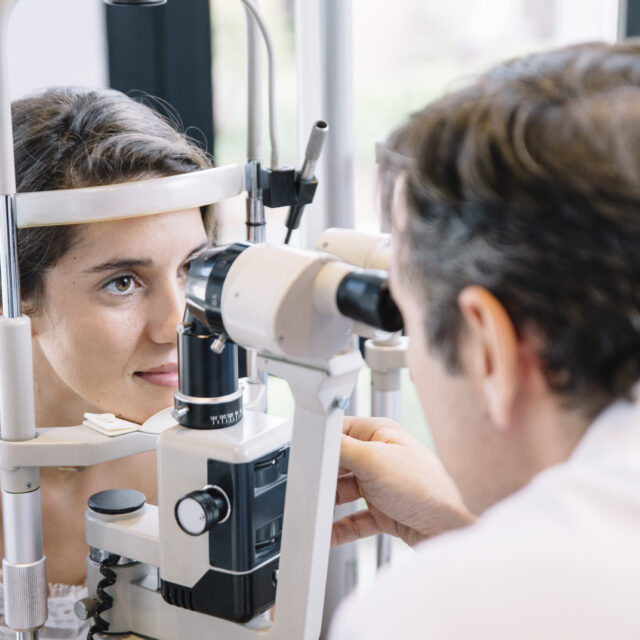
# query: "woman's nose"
167,311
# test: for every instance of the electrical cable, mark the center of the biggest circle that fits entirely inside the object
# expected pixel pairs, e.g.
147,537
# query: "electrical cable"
106,601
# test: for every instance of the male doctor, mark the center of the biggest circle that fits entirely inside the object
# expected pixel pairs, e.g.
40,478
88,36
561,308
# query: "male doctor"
517,270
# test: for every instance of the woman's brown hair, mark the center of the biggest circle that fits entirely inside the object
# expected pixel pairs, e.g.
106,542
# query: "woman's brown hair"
66,138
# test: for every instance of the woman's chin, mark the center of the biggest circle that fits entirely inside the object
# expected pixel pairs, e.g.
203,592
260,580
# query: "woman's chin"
140,412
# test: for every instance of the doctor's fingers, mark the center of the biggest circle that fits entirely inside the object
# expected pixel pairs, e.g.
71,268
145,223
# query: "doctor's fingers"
370,428
353,527
356,456
347,489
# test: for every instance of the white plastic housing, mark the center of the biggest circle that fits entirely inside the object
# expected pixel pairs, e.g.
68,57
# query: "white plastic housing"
365,250
278,314
182,457
130,199
16,379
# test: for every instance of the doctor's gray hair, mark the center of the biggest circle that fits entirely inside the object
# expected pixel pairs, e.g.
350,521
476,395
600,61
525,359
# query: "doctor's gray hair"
527,183
66,138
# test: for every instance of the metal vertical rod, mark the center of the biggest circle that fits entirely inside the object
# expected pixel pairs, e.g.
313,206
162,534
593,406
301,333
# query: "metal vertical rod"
389,405
10,289
9,253
385,359
24,568
255,206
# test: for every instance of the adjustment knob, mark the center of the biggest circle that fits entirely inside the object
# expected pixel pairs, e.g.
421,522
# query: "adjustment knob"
200,511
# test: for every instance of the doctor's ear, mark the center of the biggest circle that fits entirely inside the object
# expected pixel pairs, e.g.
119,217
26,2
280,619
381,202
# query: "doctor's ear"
491,354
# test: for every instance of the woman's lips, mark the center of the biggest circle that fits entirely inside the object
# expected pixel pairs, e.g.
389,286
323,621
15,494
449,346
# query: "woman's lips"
164,376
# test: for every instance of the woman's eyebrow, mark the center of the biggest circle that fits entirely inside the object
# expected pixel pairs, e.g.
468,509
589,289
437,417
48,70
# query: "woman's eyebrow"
198,249
124,263
132,263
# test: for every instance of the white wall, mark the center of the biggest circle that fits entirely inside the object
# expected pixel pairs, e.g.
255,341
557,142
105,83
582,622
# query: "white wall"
579,21
57,42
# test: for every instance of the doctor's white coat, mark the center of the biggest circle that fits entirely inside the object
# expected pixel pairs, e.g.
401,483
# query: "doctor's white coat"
558,560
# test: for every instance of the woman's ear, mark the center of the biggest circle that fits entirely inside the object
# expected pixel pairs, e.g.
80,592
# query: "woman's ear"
491,352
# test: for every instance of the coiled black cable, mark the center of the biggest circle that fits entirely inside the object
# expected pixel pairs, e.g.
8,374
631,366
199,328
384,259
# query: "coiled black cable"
100,625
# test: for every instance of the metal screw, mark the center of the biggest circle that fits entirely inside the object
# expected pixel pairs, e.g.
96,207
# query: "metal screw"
280,339
219,344
347,332
29,485
177,414
341,402
85,608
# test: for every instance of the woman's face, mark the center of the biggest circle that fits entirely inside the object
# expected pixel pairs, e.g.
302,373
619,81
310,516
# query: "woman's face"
105,334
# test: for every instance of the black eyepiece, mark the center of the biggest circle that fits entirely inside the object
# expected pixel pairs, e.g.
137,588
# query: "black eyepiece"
364,296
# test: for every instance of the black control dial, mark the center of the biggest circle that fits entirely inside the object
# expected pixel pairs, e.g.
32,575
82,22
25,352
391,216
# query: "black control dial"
200,511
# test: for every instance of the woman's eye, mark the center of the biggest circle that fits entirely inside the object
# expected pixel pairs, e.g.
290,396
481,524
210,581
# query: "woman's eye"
186,266
121,285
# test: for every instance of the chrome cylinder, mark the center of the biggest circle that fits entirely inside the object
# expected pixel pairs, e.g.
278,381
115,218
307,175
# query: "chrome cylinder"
255,219
386,404
9,256
24,566
22,541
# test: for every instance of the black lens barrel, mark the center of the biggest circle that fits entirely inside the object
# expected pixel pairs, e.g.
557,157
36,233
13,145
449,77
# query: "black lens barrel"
202,372
206,279
364,296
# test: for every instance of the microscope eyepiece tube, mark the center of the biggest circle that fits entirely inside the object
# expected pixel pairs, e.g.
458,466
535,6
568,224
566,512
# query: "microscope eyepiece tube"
359,294
287,301
364,296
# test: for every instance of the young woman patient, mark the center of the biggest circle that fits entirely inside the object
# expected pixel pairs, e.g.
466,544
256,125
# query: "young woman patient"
104,298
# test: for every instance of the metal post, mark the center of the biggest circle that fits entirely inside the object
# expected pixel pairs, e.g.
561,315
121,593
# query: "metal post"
8,247
24,571
255,206
386,358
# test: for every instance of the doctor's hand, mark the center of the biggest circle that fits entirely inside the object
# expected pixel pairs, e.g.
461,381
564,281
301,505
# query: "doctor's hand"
408,492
